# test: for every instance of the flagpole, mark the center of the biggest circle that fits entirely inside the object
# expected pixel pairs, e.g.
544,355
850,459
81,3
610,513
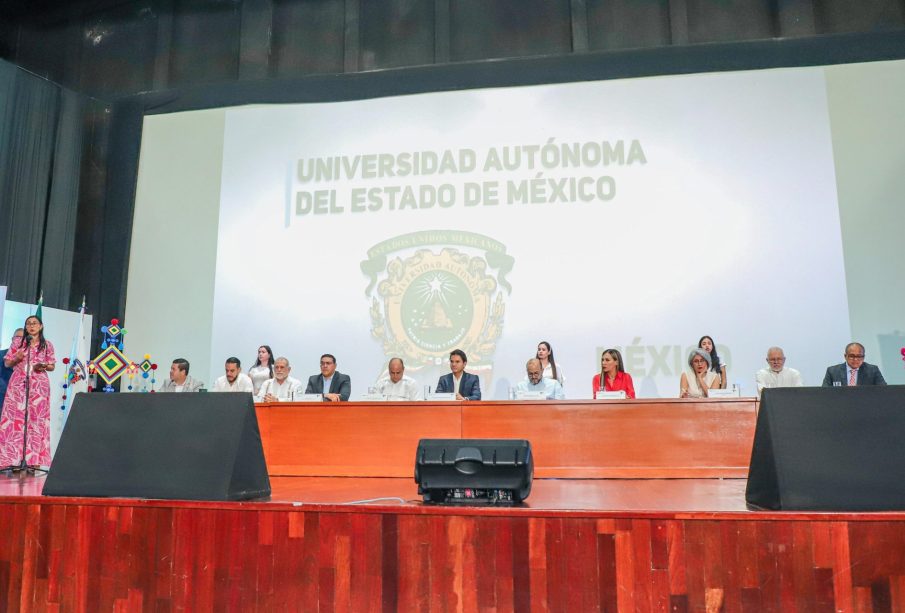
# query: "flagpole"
74,362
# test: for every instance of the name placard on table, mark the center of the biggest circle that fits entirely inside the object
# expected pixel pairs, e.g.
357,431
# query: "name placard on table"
605,395
309,398
441,396
375,397
723,393
530,395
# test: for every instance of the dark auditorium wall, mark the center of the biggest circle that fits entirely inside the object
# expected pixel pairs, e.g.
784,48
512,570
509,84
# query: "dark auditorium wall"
111,49
108,48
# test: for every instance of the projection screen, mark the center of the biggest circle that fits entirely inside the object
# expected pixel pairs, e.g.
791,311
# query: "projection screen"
638,214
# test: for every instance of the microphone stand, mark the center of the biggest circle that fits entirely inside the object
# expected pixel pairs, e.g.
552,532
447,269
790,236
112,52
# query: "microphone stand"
23,465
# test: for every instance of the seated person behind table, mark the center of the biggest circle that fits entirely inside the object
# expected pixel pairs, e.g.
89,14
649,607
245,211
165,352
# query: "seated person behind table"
282,387
179,380
613,374
334,385
854,371
397,385
537,382
464,385
701,378
234,380
776,374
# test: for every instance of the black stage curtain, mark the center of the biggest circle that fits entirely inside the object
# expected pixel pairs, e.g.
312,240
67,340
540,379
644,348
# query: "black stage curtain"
40,158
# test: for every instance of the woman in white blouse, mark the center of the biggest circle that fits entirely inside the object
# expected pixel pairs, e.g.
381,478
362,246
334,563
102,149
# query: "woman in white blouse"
263,367
548,363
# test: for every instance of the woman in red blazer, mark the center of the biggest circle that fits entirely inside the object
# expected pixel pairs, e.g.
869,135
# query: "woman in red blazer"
613,374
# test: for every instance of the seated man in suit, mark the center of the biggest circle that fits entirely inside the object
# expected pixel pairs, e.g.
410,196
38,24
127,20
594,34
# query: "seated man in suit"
854,371
335,386
179,380
464,385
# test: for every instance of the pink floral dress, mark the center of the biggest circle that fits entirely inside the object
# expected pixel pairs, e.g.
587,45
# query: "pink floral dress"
12,421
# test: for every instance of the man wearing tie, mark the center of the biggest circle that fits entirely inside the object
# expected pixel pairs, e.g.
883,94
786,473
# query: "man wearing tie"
335,386
464,385
854,371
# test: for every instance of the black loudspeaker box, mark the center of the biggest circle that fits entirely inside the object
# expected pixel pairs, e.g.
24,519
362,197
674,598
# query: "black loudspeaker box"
474,471
153,445
829,449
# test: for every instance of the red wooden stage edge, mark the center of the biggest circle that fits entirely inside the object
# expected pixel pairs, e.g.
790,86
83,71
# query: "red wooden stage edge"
365,543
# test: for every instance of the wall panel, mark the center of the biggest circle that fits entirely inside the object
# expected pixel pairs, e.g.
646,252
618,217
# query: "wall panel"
205,44
864,16
502,28
307,37
396,33
623,24
727,20
117,49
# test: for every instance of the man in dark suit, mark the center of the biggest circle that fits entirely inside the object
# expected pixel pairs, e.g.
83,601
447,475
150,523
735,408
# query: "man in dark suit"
466,386
335,386
854,371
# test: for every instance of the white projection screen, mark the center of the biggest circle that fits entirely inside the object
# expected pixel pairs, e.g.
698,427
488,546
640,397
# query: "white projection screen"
638,214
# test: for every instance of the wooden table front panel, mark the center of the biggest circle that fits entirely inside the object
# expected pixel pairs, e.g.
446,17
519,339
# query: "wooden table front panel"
351,439
570,439
624,439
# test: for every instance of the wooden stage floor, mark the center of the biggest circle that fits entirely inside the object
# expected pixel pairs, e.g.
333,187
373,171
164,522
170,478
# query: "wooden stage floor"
635,506
576,545
622,496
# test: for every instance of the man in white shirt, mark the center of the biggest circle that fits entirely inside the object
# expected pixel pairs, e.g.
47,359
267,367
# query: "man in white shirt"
234,380
536,382
777,375
179,380
398,385
282,388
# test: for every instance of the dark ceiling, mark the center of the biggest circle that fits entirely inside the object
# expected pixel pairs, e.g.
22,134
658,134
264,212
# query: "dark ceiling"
49,11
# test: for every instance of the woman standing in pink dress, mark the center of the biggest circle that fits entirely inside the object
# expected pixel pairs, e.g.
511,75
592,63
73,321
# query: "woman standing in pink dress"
34,350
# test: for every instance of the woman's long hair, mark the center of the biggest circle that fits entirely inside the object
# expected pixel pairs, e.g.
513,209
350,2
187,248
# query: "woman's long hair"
270,359
715,365
549,357
613,353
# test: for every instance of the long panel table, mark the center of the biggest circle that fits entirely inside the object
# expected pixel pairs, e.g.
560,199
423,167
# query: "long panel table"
570,439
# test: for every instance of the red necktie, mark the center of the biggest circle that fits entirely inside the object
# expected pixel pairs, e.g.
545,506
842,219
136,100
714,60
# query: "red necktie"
851,378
